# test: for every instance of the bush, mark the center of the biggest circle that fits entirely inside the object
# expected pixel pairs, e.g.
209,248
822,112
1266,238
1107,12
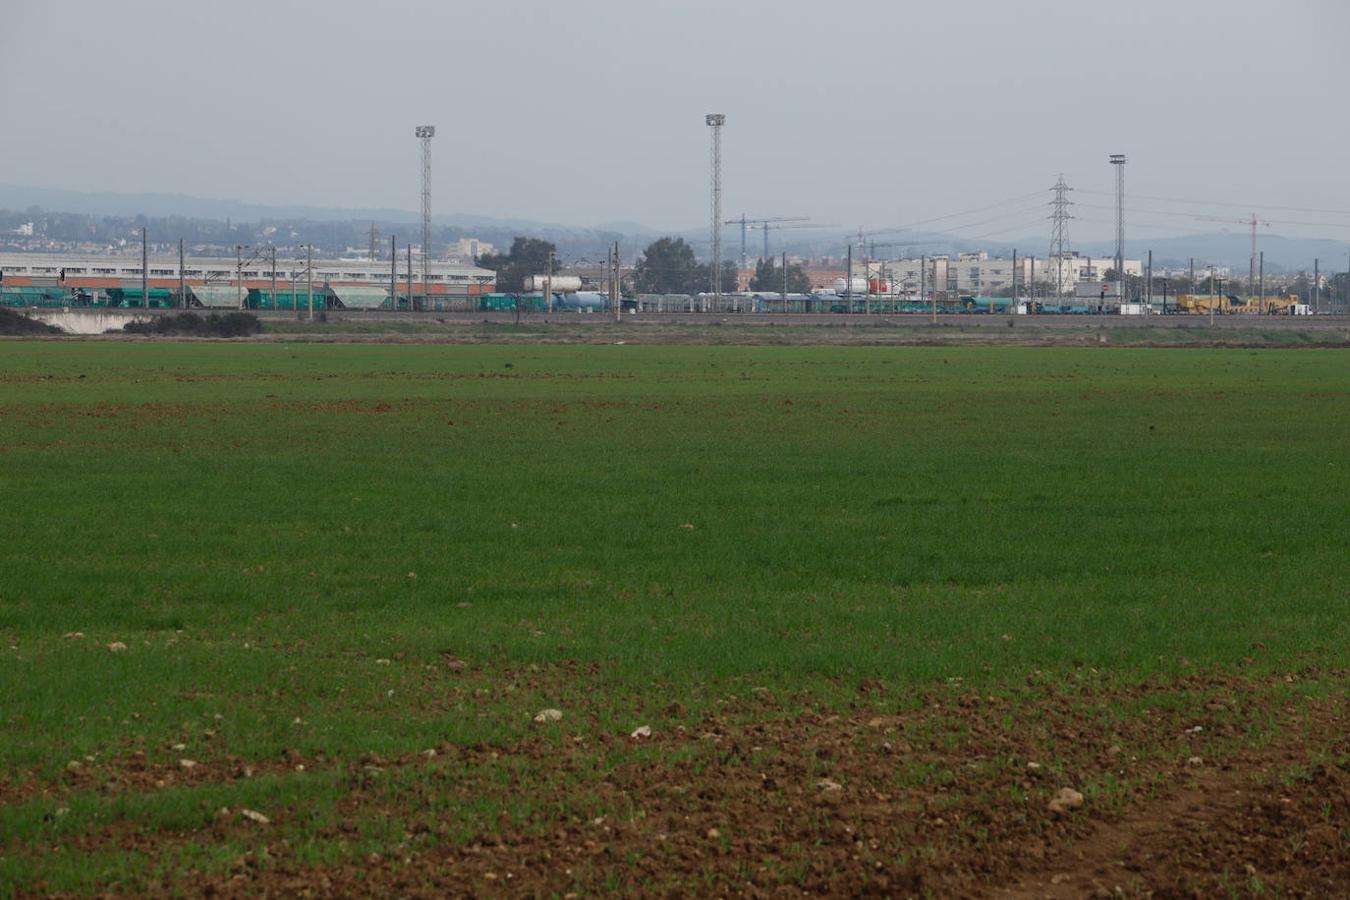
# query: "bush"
235,324
12,323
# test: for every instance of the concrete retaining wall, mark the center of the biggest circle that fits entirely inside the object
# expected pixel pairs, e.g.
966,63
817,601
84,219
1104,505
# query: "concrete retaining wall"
88,321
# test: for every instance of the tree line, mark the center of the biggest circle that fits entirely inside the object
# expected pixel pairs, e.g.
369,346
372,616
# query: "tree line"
667,266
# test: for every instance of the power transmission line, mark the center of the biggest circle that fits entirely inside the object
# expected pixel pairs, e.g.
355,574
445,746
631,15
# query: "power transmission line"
1338,212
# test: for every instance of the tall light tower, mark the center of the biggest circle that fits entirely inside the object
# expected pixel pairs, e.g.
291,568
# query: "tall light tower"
1118,160
715,121
1059,234
425,133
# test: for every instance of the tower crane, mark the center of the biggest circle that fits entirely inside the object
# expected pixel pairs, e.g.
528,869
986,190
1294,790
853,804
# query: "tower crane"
747,223
1253,222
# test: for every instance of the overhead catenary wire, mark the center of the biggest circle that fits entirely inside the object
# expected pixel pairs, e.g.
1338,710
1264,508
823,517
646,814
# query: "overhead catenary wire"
1310,209
1193,215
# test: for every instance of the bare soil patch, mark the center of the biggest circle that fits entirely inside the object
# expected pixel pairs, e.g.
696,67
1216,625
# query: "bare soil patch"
1215,785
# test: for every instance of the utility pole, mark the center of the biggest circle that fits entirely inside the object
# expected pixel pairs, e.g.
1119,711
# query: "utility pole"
923,276
715,121
1014,282
785,285
745,227
867,274
618,284
1195,290
1031,280
848,281
615,285
410,291
145,269
309,278
1263,281
548,284
1316,288
239,276
274,277
1345,294
393,273
1148,290
1214,298
1251,265
182,283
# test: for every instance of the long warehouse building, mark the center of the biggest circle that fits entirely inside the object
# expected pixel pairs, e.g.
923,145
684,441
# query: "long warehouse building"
54,279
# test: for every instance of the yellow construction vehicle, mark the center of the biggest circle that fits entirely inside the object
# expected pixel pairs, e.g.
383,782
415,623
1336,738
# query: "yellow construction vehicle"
1283,305
1202,304
1205,303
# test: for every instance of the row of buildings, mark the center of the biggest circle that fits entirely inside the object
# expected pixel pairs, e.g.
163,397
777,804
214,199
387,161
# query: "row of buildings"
972,274
365,284
980,274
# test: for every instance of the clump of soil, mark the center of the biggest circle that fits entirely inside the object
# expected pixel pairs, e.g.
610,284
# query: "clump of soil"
235,324
14,324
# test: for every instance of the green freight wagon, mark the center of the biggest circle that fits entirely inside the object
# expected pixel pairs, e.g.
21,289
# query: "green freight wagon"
509,302
134,298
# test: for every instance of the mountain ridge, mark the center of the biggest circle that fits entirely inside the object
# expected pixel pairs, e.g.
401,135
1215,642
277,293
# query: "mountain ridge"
1221,248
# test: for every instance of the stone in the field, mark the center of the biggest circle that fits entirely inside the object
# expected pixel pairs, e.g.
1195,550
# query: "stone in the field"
642,731
255,817
548,715
117,646
1066,800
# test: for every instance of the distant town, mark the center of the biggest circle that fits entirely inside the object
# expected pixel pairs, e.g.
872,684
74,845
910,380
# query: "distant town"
65,259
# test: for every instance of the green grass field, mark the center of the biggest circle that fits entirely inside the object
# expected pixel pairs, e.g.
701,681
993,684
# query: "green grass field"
293,540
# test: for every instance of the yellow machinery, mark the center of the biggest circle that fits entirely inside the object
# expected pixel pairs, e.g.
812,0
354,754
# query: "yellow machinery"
1205,303
1275,305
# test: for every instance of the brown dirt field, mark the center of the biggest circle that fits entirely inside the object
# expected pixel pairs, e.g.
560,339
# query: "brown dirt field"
1215,785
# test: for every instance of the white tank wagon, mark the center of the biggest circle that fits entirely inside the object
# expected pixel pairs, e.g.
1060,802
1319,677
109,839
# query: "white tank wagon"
560,284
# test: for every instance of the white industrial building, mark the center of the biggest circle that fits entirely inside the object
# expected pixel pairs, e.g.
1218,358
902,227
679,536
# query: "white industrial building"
225,281
976,274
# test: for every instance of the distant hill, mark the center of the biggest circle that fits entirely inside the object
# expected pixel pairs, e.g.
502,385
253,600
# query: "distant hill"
1224,248
17,197
1283,254
327,227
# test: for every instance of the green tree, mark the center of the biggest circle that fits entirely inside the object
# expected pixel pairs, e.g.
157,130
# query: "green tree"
668,266
730,278
527,256
1134,284
769,277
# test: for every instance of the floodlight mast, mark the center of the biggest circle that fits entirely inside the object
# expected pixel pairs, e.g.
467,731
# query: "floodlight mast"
715,121
1118,160
425,133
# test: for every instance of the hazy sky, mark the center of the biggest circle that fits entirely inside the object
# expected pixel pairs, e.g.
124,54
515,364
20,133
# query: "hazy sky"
587,111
